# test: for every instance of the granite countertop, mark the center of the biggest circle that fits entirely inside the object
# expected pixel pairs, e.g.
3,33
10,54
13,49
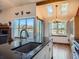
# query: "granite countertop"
7,53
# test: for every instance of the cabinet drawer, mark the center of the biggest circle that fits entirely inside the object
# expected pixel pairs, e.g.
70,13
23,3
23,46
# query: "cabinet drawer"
43,54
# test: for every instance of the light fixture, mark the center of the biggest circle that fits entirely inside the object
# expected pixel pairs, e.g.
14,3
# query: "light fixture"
56,21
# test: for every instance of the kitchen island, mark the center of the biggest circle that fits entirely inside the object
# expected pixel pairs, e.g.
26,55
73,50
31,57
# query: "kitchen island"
8,51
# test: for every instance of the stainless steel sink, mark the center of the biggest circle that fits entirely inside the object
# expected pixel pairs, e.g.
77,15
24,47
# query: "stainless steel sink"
28,47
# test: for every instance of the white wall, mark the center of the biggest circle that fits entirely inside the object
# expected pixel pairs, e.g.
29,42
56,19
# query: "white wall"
9,14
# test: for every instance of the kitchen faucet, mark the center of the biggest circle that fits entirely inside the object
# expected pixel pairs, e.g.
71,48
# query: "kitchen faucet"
21,36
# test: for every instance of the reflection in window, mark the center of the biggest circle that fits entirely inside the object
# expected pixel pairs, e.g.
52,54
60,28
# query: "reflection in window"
64,9
57,28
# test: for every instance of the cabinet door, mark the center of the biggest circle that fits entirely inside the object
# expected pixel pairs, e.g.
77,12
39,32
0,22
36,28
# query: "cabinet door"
41,54
45,53
50,50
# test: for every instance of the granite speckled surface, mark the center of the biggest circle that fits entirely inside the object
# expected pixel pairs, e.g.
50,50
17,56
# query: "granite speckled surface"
7,53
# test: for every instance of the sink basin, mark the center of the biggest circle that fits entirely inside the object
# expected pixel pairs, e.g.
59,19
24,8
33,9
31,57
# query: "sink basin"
28,47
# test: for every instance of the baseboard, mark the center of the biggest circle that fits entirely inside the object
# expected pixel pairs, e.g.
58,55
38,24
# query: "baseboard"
61,43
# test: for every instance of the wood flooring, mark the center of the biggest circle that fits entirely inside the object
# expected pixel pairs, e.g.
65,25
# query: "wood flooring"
61,51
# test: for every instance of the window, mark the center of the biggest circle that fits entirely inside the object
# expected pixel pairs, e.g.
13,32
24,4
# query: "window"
15,27
64,9
39,30
49,10
33,27
19,24
57,28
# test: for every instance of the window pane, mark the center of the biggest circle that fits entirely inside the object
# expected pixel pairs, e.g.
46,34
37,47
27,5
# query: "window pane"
50,10
22,23
22,26
58,28
15,28
64,9
30,28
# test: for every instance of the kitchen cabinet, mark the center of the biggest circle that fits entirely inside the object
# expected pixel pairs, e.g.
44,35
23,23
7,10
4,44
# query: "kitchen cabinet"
76,27
41,54
51,49
74,45
74,52
45,53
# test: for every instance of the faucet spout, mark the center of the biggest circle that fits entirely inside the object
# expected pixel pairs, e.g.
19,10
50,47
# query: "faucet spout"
21,35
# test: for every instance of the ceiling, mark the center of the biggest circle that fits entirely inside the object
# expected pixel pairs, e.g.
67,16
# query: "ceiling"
72,10
48,1
4,4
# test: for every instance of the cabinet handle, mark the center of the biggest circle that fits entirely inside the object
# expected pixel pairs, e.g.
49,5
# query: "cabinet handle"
49,49
47,44
73,52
